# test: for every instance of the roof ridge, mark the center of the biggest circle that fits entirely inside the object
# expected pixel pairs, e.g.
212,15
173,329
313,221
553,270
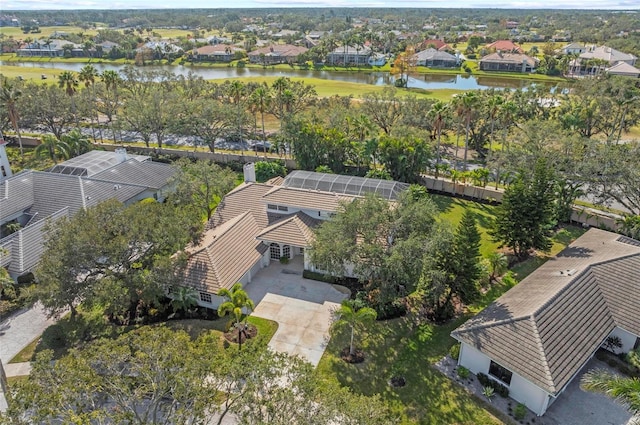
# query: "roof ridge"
494,324
543,352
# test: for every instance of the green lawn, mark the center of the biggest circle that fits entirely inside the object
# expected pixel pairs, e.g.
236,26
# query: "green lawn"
398,347
452,210
402,347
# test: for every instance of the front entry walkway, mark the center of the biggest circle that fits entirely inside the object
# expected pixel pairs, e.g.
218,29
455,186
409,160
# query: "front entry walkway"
303,308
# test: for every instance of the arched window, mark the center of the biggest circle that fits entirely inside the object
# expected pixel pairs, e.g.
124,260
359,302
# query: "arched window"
274,251
286,251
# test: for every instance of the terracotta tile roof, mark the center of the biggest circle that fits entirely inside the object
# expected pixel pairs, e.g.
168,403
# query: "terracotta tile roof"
224,254
547,326
296,229
306,199
505,46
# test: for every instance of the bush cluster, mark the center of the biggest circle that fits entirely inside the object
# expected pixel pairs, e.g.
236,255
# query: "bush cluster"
500,389
520,411
454,351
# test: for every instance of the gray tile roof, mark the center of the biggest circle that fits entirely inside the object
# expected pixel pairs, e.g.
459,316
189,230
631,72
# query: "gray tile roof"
16,195
547,326
53,192
246,197
149,174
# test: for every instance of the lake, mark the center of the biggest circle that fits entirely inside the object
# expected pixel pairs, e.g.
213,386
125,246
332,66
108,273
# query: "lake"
423,81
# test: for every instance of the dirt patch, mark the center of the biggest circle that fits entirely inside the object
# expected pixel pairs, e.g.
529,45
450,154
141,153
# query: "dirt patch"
356,357
248,331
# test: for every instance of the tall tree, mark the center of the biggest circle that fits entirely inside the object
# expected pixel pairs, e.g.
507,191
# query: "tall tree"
9,95
261,98
202,184
67,80
88,75
466,104
113,256
525,218
110,101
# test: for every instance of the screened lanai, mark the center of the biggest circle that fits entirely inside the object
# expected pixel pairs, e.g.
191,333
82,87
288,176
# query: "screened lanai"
351,185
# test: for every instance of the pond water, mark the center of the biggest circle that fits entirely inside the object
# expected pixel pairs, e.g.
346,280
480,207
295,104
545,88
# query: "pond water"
423,81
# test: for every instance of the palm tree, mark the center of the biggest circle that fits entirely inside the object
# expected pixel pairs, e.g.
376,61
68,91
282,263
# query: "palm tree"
236,299
112,80
624,390
466,104
348,315
88,75
67,81
438,111
9,96
50,147
74,143
261,99
497,264
494,103
237,91
183,298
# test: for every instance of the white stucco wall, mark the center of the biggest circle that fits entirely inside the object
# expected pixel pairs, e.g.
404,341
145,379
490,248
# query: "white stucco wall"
627,338
529,394
473,359
520,389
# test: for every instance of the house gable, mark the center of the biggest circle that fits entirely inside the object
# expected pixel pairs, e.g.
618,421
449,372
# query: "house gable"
550,324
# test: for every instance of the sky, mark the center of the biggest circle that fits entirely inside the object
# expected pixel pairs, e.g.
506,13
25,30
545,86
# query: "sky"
172,4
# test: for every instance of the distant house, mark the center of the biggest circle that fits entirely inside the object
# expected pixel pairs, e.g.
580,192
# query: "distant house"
160,47
539,335
505,46
508,62
623,69
107,46
434,43
34,198
218,40
349,55
49,48
607,54
276,53
217,53
436,59
573,49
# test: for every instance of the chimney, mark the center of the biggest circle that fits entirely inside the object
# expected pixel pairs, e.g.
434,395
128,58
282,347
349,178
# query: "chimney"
121,155
249,170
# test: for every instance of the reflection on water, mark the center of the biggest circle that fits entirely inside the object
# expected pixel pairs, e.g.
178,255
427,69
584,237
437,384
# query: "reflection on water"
422,81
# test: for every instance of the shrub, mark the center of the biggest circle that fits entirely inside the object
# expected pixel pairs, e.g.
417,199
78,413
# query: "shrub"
488,392
308,274
266,170
284,260
520,411
500,389
463,372
454,351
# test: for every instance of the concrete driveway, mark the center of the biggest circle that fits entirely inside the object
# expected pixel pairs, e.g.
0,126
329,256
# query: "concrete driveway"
578,407
302,307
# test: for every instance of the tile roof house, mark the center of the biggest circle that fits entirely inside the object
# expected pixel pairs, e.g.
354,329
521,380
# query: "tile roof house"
607,54
623,69
216,53
508,62
436,59
506,46
34,198
538,336
257,223
276,53
435,43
